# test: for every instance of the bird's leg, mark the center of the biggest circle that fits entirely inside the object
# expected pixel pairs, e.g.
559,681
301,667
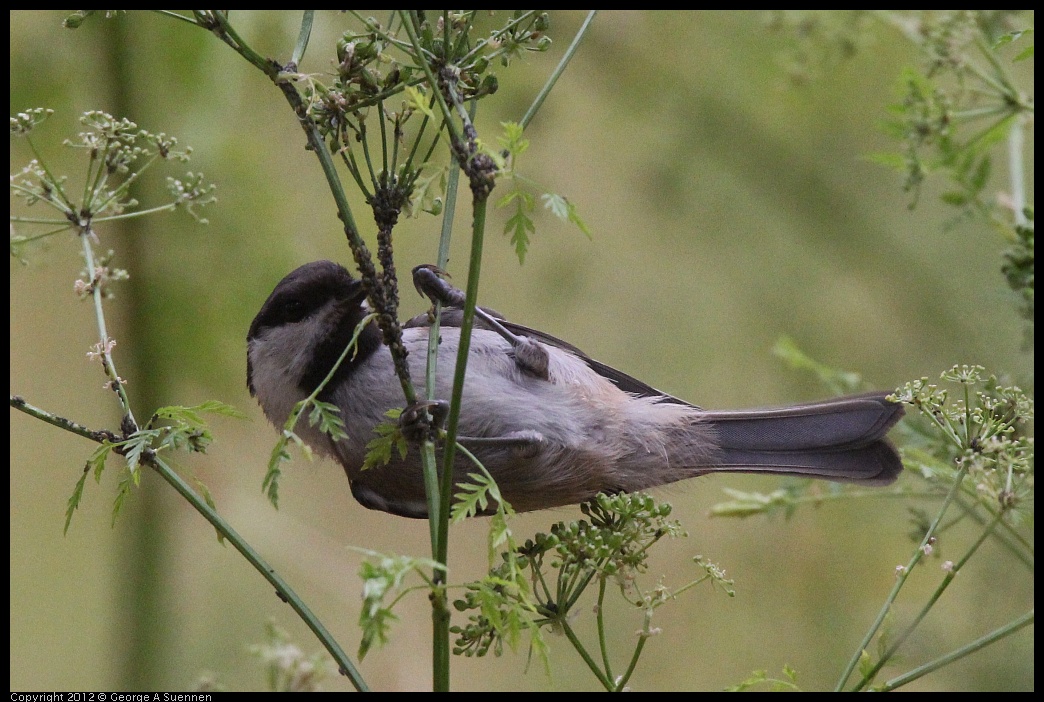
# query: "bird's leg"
530,356
414,420
524,443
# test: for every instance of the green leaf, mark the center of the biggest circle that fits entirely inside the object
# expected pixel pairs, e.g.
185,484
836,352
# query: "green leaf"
122,491
389,438
381,576
1011,37
74,498
755,678
474,499
279,456
76,19
557,205
188,430
327,417
866,664
97,459
211,407
506,199
512,140
416,99
520,226
136,446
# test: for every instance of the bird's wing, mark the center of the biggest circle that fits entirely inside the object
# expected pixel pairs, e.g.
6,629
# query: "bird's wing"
451,317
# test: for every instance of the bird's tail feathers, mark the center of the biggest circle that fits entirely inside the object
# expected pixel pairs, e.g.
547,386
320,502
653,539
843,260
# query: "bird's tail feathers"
841,440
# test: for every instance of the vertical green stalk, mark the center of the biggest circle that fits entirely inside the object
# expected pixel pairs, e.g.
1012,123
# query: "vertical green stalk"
901,579
431,477
440,603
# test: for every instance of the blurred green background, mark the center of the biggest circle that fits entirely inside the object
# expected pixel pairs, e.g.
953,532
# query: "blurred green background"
728,207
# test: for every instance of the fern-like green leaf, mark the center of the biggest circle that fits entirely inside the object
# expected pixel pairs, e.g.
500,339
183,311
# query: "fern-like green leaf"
74,498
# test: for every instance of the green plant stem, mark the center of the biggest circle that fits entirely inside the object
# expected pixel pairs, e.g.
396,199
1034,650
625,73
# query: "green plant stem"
41,235
441,614
21,405
559,69
115,382
228,34
600,619
66,205
573,639
887,655
431,479
942,661
439,493
175,15
417,141
366,156
285,592
385,167
1001,81
761,503
408,23
353,168
495,36
575,590
440,603
642,638
1021,549
170,207
901,580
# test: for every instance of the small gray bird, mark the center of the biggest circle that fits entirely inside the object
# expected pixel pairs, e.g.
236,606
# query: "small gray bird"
551,425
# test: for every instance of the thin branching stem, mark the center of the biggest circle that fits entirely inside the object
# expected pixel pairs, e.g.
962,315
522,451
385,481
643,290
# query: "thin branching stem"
366,154
348,157
901,576
54,181
175,15
943,661
559,69
909,629
482,43
408,23
97,435
115,382
381,118
642,638
431,478
579,646
286,593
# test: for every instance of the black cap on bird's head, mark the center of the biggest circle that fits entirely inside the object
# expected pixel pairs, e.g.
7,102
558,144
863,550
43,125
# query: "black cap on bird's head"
304,293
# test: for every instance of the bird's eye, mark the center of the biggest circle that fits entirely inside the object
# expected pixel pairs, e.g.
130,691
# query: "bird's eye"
294,310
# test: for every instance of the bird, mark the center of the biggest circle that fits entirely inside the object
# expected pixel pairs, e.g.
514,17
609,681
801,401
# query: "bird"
551,425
